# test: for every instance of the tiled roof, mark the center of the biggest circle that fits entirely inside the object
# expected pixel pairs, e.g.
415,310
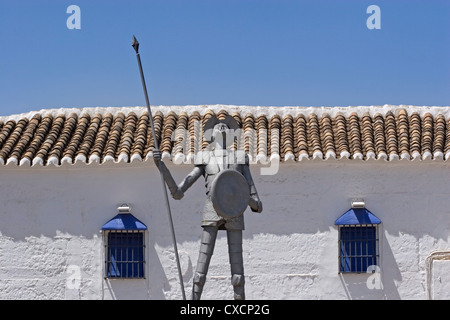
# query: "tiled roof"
100,135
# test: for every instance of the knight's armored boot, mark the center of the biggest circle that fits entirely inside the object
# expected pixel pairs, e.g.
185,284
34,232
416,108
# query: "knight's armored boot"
238,281
197,288
236,263
206,250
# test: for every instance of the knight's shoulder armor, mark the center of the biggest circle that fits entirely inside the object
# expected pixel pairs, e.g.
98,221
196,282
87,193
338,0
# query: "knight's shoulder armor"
202,158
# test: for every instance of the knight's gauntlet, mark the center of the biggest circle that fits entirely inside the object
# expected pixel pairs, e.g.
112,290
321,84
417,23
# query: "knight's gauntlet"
255,203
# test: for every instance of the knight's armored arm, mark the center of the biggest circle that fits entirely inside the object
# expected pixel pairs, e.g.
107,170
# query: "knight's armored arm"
171,184
177,191
254,203
189,180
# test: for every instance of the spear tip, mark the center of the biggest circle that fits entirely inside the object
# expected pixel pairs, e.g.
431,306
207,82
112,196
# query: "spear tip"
135,44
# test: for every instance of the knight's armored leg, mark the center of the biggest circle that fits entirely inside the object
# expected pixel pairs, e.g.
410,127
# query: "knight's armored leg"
236,262
206,250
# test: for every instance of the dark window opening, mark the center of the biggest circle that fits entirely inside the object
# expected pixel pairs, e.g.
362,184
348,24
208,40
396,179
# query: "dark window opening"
358,248
125,254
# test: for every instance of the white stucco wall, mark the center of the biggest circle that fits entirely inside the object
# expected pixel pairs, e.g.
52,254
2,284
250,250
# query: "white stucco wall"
50,220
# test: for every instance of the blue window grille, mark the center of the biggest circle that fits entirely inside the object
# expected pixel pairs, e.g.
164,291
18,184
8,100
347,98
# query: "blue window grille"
358,241
125,254
358,248
124,238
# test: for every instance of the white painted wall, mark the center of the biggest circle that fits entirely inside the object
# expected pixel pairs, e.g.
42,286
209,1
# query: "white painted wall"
50,220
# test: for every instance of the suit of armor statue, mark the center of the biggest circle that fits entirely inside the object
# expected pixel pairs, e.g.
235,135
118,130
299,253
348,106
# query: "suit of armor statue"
210,164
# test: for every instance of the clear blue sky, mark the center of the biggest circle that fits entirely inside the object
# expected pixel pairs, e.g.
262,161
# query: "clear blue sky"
242,52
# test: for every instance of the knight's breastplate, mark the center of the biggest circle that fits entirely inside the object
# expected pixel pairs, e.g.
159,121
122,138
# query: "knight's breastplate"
216,163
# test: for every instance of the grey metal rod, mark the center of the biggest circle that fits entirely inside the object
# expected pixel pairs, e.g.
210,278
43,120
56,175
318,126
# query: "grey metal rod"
135,45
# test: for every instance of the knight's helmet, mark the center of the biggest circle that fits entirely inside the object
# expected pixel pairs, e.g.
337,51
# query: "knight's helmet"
232,133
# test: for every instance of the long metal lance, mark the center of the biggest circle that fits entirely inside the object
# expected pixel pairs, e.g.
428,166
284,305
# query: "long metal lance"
135,45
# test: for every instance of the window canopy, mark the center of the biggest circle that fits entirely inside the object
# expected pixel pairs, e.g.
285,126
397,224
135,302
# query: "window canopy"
356,216
124,221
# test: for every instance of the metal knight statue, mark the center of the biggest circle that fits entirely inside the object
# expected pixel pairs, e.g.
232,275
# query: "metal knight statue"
229,190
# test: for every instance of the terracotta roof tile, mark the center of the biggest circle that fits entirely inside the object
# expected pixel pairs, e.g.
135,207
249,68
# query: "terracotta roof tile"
195,131
11,141
313,136
62,136
74,141
300,137
101,138
65,135
367,136
439,134
274,135
140,138
327,137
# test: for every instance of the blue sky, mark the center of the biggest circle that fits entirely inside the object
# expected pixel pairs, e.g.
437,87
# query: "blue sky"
246,52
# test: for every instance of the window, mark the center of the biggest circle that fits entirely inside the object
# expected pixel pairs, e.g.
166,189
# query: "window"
358,240
124,239
125,254
358,246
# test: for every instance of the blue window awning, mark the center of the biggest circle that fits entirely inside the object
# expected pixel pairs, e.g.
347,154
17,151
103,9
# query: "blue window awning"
124,221
356,216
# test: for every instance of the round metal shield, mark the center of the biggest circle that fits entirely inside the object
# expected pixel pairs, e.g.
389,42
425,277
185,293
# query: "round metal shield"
230,193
